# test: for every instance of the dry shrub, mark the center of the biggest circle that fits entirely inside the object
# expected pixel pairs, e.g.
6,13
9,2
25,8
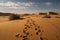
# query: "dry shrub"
53,13
14,17
26,14
42,13
47,16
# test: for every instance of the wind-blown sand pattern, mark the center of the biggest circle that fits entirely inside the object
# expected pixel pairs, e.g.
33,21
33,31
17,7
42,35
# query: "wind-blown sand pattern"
31,28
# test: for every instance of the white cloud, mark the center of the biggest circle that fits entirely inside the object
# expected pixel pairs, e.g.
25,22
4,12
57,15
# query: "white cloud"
9,4
25,4
48,3
15,5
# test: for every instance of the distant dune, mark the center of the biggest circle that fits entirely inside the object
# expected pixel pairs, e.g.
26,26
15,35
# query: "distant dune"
5,14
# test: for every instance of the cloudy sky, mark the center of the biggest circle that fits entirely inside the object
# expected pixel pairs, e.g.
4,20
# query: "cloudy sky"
17,6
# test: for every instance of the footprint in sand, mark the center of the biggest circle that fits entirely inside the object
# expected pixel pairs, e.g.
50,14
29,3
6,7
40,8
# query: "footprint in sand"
41,38
37,33
39,30
17,35
24,38
35,28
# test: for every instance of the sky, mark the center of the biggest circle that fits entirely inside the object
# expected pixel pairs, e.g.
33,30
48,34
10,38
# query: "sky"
29,6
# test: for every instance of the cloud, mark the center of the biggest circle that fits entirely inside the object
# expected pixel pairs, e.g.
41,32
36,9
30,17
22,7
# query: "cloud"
48,3
25,4
15,5
9,4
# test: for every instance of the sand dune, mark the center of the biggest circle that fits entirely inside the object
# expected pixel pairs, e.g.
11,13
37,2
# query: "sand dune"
31,28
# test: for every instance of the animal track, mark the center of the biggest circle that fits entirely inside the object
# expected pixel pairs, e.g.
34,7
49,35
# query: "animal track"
30,24
28,28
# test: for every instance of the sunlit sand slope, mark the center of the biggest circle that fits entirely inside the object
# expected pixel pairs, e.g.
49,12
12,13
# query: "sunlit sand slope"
31,28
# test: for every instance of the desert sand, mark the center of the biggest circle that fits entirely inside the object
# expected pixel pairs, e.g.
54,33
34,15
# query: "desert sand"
33,27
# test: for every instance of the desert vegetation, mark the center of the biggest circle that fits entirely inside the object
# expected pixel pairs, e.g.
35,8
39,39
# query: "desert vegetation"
26,14
47,16
53,13
42,13
14,17
5,14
